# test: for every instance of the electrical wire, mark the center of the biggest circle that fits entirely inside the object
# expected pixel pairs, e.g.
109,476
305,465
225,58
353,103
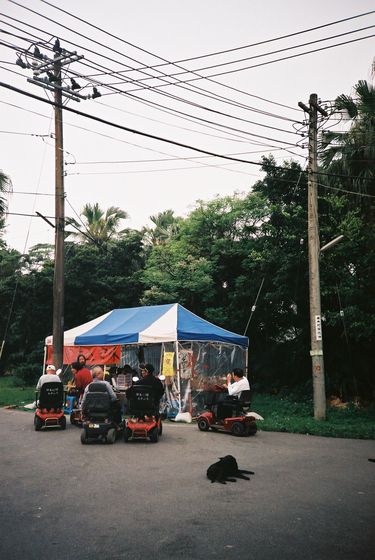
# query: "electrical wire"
118,38
90,50
253,57
221,52
159,138
179,113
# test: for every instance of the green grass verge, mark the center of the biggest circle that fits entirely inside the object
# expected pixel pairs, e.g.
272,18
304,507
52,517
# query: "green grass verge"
283,414
13,394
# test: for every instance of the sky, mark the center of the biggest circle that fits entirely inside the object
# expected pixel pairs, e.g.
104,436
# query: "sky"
221,95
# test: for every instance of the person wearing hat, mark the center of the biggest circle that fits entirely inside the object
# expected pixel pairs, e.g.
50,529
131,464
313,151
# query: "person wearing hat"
48,377
148,378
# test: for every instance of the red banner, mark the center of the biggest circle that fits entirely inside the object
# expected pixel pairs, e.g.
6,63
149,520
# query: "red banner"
95,355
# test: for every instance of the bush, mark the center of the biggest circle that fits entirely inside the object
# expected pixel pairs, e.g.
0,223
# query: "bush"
26,375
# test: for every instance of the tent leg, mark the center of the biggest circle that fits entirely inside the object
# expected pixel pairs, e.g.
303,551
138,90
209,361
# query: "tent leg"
44,359
178,378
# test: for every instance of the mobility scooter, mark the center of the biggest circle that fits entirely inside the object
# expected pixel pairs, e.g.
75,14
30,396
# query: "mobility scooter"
50,406
98,416
144,421
228,414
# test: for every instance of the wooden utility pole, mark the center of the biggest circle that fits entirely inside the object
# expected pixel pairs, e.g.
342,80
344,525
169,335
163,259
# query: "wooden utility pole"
53,82
316,351
58,277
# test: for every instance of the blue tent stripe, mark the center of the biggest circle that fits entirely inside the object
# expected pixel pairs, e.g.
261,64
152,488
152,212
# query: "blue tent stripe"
123,326
192,327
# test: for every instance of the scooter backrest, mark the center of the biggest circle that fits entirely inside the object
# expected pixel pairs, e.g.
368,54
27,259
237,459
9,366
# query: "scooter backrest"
96,402
51,395
141,399
245,398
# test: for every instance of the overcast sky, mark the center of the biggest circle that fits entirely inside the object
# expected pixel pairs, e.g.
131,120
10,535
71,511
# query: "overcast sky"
222,114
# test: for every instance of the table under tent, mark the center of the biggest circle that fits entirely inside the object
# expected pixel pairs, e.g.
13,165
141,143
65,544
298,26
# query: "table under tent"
193,354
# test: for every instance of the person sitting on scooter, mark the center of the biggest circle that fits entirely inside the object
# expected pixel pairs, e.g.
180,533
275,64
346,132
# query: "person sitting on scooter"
98,377
236,383
148,379
49,377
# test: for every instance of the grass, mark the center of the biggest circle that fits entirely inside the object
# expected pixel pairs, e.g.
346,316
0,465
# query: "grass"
284,414
280,413
13,394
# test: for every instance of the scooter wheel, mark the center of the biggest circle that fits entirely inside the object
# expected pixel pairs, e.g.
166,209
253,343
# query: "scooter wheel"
160,429
62,422
127,434
251,429
38,423
84,438
111,436
203,425
154,435
238,429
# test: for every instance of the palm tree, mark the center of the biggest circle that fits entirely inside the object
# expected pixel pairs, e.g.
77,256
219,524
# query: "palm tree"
166,226
352,152
98,226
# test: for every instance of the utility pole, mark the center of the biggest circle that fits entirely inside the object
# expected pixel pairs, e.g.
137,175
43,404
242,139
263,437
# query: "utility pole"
316,351
58,277
54,82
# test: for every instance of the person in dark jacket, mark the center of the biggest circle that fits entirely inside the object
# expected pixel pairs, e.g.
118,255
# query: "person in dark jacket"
148,379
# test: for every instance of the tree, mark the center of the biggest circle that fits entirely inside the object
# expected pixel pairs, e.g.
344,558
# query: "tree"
349,159
166,227
5,188
352,152
98,226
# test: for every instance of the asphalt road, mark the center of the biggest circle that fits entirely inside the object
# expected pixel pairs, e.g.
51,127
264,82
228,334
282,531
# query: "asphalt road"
310,498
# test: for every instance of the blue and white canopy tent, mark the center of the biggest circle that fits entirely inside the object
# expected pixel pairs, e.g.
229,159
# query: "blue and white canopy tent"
191,352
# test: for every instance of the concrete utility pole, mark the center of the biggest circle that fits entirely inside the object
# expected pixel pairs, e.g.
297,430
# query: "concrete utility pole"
316,351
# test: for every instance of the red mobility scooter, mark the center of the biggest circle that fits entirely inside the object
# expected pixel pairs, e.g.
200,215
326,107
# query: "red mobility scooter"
227,414
144,421
50,406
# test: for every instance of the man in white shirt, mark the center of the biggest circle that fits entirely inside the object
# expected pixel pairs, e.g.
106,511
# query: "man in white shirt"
236,383
48,377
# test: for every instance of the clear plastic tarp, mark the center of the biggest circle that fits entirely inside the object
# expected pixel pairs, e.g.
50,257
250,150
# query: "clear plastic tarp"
190,368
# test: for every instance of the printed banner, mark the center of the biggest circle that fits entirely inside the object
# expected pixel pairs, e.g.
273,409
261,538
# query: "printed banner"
168,364
95,355
186,363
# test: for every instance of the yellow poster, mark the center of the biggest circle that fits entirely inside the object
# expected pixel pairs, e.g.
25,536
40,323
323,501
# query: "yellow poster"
168,364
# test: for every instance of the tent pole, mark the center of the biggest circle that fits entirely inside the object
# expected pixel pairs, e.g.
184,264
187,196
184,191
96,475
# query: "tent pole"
178,378
44,358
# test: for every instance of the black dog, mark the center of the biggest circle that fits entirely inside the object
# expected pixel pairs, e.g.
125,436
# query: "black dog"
226,467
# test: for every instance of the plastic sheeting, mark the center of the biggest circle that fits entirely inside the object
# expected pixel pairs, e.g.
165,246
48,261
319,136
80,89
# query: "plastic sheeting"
197,367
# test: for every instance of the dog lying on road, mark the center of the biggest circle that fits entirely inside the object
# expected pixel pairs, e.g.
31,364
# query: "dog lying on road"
224,468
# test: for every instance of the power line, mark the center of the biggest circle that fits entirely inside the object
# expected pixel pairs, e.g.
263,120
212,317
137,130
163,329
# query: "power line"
346,191
184,115
88,38
273,39
112,60
284,58
142,49
176,63
159,138
255,56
